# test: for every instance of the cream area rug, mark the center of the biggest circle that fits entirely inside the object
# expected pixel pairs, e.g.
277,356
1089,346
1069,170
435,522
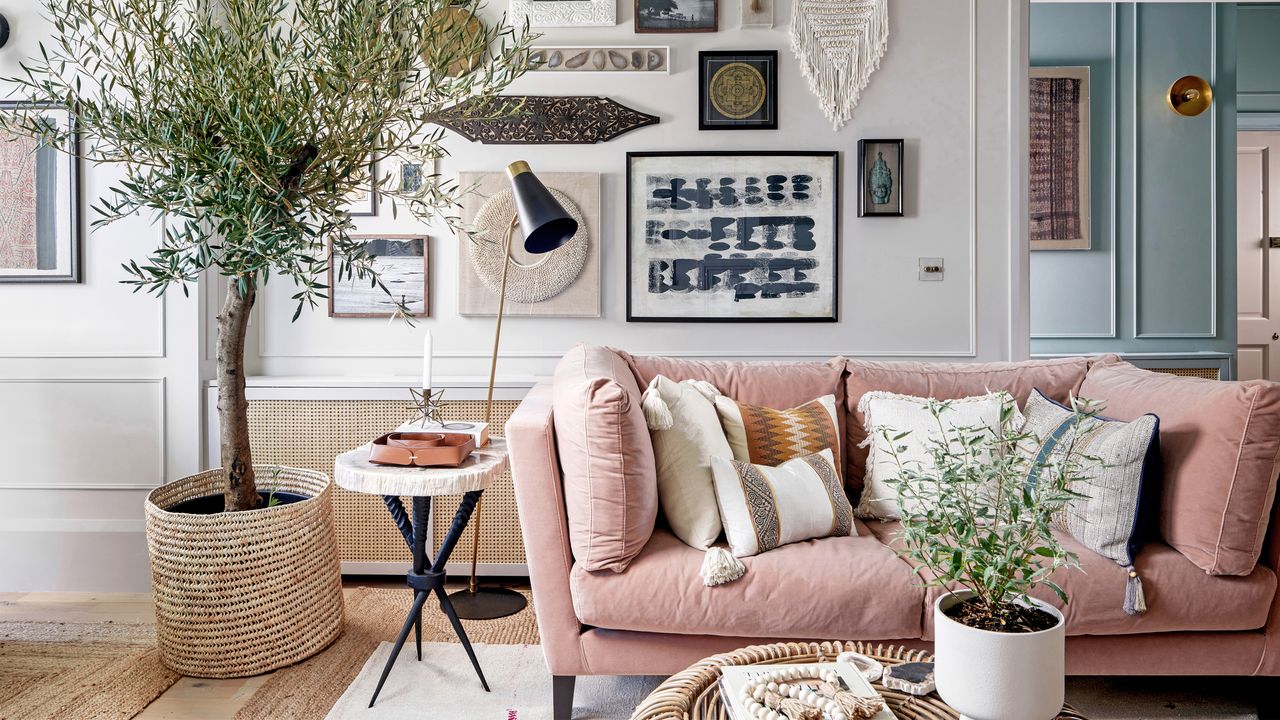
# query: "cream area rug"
444,683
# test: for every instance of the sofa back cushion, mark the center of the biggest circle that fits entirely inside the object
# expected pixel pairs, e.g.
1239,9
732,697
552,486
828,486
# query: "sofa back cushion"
1219,442
777,385
606,455
948,381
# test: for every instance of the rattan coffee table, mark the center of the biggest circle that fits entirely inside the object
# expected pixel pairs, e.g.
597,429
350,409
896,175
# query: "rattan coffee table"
694,694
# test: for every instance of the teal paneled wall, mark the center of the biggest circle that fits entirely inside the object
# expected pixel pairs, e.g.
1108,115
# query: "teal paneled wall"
1160,276
1258,45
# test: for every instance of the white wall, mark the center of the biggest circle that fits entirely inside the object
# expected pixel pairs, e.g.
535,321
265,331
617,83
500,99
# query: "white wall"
128,367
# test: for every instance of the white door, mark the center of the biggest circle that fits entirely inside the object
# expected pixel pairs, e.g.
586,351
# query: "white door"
1258,242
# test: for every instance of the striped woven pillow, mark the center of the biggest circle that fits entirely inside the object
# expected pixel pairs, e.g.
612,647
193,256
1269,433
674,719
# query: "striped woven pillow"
764,436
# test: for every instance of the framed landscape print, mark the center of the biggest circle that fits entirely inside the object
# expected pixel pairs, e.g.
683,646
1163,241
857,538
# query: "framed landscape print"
563,13
403,263
733,236
39,203
676,16
738,90
880,178
1058,195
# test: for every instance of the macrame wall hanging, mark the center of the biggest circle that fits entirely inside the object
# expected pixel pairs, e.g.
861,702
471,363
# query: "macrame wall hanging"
839,44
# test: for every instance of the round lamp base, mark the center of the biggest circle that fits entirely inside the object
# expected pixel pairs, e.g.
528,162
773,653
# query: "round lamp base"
487,603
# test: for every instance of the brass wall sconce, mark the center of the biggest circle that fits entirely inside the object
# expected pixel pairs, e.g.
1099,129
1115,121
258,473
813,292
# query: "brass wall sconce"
1190,95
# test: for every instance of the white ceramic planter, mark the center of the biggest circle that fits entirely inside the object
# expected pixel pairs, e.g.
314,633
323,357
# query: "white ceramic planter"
997,676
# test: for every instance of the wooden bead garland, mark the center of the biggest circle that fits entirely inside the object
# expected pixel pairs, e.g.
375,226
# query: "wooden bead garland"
778,695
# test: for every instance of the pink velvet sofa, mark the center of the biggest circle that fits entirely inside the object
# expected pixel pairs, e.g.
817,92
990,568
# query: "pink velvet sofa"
1209,569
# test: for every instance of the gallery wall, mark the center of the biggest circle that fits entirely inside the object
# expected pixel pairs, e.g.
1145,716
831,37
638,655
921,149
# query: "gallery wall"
1160,275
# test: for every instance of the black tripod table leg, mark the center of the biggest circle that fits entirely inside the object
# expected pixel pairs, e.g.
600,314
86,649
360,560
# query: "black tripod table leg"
447,606
416,612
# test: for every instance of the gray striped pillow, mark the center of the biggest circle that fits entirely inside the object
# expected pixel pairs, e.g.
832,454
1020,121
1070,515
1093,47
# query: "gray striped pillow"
1127,454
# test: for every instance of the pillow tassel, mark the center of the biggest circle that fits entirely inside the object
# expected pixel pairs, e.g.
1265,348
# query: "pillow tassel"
720,567
656,413
1135,600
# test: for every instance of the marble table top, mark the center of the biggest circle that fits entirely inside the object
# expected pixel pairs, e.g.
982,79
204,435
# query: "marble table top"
353,471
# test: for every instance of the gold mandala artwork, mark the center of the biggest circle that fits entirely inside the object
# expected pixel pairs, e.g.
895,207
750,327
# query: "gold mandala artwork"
737,91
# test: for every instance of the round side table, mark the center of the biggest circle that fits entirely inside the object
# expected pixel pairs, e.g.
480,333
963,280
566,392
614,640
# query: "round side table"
694,694
353,471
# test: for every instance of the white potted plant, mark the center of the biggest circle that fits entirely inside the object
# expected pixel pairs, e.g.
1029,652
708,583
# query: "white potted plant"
977,526
248,127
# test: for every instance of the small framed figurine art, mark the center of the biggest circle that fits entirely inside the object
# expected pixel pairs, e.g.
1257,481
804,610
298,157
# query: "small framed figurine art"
676,16
402,262
40,201
722,237
738,90
880,180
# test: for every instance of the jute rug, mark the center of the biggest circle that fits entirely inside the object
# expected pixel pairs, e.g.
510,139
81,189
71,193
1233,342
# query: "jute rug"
310,688
79,671
444,687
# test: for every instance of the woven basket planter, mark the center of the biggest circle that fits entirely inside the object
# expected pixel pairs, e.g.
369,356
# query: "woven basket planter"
243,593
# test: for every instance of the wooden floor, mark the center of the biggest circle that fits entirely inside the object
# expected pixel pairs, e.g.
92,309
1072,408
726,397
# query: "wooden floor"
189,698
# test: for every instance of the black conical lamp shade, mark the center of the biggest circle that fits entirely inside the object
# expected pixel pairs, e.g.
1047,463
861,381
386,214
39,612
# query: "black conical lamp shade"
543,220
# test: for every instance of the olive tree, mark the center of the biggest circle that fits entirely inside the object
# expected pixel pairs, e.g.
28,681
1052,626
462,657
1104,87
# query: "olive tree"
246,126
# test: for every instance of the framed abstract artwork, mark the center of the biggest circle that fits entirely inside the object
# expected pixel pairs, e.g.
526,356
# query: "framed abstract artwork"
402,261
563,13
733,236
39,203
364,203
1058,195
738,90
676,16
562,283
880,180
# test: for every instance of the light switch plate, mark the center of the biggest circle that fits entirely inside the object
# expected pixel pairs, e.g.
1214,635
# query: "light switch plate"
931,269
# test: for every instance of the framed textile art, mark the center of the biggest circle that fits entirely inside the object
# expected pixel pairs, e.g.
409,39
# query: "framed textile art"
880,178
1058,195
733,236
738,90
403,261
564,282
39,203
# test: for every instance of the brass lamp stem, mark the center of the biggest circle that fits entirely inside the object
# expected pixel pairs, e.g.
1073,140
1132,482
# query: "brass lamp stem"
493,374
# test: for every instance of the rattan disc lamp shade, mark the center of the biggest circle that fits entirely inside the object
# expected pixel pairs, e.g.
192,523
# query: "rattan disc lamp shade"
545,225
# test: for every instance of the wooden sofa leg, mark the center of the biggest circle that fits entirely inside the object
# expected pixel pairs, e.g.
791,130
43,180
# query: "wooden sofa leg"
562,696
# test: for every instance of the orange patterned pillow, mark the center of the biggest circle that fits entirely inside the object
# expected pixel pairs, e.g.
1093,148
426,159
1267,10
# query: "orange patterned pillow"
764,436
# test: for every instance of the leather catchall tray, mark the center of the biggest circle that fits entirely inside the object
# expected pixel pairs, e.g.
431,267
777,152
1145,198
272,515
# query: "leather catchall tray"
419,449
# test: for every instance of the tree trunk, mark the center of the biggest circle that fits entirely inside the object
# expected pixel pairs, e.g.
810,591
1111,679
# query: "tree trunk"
233,410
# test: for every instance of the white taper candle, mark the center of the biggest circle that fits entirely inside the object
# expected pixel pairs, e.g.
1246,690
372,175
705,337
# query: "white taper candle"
426,361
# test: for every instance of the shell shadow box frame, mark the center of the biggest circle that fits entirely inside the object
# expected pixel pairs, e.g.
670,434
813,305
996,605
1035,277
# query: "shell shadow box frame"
562,283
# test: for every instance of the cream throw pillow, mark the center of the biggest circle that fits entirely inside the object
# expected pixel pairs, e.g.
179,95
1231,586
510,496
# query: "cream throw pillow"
686,435
765,507
886,411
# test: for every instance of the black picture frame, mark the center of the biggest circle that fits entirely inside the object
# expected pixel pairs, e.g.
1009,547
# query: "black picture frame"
367,204
833,199
712,63
867,205
642,26
75,234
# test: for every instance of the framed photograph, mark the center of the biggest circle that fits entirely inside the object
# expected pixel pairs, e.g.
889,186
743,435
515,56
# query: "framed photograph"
402,261
738,90
563,13
1058,195
411,177
364,203
39,203
747,236
880,178
676,16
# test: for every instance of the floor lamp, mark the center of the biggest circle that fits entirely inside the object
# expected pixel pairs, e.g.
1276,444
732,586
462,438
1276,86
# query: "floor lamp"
545,225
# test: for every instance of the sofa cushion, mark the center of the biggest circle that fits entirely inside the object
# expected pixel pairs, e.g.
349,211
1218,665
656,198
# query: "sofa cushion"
610,482
838,587
772,436
948,381
1220,445
1180,596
